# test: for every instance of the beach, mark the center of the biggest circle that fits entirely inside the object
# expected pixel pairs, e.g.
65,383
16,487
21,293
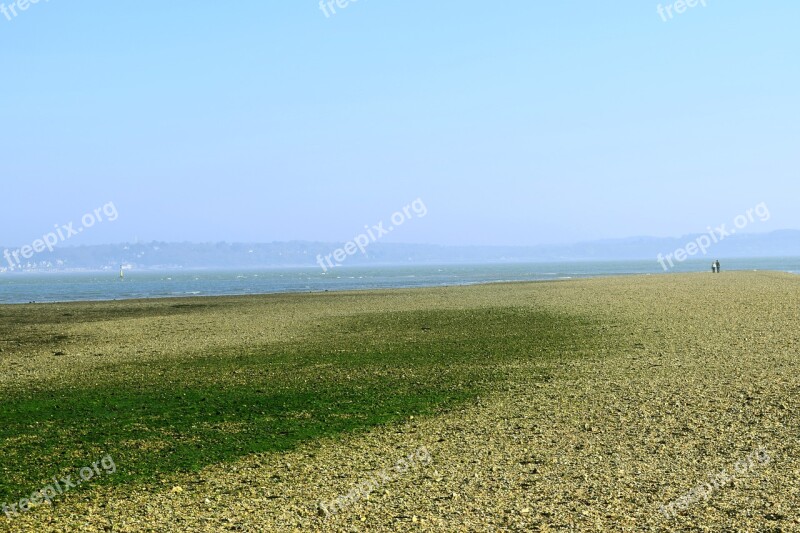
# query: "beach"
635,403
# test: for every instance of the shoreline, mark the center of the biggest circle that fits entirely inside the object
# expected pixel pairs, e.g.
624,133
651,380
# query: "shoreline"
371,289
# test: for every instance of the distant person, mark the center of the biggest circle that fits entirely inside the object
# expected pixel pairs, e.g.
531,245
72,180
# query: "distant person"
717,266
713,267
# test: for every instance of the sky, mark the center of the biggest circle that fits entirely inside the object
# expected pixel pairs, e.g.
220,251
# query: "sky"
515,122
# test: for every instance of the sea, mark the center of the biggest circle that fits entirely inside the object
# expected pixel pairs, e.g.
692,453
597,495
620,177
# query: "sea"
39,287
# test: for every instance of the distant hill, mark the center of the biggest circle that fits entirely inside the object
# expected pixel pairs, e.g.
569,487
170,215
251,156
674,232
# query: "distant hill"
154,255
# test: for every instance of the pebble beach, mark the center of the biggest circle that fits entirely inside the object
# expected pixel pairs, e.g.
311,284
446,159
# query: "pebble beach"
679,414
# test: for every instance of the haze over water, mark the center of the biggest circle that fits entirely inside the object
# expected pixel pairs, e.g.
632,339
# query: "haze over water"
64,287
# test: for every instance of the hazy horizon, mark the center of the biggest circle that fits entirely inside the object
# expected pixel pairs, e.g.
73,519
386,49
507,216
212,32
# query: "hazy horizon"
288,241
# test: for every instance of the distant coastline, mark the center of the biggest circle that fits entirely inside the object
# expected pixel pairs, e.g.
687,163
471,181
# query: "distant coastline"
302,254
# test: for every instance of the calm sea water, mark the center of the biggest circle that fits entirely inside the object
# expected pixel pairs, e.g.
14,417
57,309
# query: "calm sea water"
63,287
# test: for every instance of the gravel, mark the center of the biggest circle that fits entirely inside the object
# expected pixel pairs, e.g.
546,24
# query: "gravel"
693,372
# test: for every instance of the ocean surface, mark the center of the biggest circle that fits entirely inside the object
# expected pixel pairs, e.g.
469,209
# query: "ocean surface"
84,286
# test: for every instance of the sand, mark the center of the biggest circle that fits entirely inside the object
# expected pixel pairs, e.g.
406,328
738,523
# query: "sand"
693,376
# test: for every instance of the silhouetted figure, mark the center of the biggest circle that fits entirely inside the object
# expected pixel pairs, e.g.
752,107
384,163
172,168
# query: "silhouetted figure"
713,267
717,266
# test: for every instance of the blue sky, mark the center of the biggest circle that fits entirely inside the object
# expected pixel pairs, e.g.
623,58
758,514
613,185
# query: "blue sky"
516,122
